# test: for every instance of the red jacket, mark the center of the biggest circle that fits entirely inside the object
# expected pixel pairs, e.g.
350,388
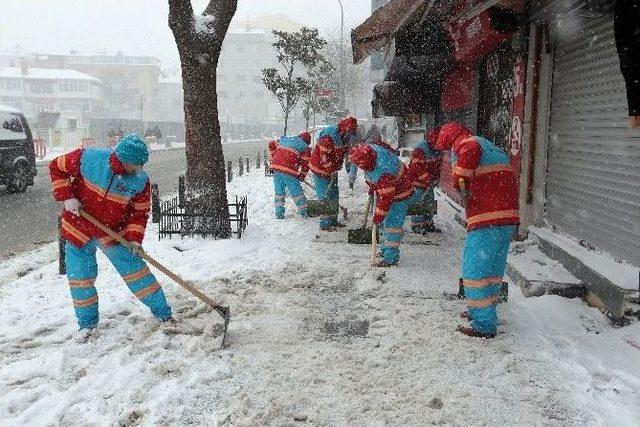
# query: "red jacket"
291,156
389,179
424,167
98,180
273,145
487,175
326,157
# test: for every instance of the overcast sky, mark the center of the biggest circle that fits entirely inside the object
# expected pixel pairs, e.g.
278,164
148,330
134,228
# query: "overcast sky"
139,27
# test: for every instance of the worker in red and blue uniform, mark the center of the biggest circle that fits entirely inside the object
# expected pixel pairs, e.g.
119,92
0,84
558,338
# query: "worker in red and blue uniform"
389,179
489,188
373,136
112,187
424,172
290,165
326,160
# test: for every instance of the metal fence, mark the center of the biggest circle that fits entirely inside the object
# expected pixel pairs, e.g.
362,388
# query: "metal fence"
181,217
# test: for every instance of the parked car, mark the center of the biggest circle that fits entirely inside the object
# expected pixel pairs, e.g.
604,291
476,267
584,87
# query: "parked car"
17,156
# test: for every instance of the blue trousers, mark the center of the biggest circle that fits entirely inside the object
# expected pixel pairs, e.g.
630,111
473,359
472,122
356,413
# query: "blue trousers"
321,185
283,182
353,174
82,271
483,263
393,230
420,197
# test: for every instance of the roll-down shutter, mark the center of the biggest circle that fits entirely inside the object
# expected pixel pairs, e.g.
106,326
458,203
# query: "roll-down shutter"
593,183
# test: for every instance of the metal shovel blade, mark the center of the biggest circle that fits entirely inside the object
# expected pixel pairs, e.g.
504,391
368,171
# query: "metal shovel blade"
316,208
359,236
225,313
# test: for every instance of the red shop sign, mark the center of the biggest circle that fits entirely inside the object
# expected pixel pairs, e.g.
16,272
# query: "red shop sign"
475,38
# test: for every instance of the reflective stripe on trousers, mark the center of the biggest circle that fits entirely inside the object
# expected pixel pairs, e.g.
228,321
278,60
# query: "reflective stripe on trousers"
82,270
483,263
393,230
321,185
282,183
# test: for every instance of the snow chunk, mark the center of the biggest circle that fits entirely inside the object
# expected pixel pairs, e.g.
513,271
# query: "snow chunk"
204,23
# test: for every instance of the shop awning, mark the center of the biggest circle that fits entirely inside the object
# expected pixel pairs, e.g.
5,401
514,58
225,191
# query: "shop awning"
381,26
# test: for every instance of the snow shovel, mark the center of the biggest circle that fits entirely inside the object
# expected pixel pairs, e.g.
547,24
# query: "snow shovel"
361,236
317,208
422,208
223,311
374,245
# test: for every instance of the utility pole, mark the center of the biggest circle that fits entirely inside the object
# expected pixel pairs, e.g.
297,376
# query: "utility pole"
342,64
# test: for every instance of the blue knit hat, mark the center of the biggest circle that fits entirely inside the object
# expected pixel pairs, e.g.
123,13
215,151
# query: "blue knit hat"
132,149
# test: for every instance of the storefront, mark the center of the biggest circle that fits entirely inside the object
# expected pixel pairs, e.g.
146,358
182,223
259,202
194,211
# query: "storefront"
455,61
591,183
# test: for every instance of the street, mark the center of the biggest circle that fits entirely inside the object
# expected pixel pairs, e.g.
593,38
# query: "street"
30,219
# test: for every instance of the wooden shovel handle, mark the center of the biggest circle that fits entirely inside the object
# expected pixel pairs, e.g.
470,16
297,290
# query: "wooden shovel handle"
366,214
179,280
374,239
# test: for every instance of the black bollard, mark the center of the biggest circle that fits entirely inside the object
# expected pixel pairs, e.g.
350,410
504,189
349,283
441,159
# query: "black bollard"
62,266
155,204
181,190
240,166
258,160
229,171
247,163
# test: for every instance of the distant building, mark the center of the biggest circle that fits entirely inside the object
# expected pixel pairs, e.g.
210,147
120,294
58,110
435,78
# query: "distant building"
71,93
130,82
168,102
38,89
242,97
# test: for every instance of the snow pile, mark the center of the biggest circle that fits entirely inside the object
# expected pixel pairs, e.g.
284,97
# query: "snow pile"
317,337
622,274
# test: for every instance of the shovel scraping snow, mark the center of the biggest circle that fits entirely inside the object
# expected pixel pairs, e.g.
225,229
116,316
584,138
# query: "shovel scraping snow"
324,207
361,236
224,312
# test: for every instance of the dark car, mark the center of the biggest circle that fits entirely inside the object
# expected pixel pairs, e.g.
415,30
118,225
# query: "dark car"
17,156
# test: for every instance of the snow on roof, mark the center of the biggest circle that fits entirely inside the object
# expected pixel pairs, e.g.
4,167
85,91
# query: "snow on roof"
247,31
171,79
46,73
7,109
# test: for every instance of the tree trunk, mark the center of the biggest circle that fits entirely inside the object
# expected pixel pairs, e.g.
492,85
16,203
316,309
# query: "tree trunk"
286,123
199,41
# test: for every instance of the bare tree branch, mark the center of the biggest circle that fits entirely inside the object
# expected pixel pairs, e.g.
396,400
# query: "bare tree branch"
222,12
181,19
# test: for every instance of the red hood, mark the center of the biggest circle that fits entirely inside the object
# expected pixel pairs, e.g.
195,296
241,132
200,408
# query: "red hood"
449,134
363,157
432,138
348,126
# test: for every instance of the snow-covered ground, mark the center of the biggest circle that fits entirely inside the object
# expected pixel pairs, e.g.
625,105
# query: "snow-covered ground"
318,337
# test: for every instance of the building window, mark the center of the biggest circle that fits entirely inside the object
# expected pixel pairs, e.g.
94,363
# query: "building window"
12,84
72,124
75,104
73,86
12,102
42,106
41,87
